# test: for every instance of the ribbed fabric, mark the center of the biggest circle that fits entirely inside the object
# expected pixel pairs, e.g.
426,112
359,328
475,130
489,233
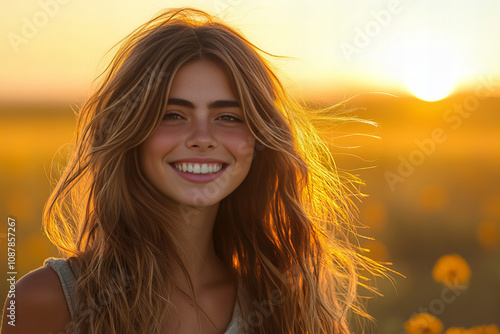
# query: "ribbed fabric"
68,281
236,324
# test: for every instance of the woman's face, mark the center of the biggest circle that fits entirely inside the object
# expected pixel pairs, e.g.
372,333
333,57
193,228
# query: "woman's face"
202,150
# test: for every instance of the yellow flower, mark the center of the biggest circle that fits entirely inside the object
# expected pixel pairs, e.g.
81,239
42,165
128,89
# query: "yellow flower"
456,330
451,270
424,323
491,329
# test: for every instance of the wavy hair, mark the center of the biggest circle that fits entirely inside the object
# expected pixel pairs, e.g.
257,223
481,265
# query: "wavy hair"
286,232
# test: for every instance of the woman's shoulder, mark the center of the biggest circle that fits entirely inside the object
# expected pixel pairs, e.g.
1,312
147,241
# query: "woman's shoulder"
38,304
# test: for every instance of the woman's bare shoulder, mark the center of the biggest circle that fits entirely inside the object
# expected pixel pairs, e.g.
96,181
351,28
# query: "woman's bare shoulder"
38,306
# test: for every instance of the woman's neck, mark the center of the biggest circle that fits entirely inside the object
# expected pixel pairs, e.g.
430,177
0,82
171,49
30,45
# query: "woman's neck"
197,246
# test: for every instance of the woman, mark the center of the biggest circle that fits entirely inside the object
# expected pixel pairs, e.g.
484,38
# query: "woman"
199,199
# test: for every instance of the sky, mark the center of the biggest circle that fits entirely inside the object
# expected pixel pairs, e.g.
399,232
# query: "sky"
51,50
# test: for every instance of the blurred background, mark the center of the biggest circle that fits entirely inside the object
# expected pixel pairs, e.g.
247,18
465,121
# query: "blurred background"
426,71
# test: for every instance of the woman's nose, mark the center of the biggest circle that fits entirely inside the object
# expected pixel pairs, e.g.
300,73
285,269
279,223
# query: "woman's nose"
201,135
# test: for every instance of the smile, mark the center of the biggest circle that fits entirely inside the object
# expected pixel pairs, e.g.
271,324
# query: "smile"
195,168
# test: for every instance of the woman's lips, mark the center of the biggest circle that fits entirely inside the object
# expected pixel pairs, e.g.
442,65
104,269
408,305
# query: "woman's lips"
199,172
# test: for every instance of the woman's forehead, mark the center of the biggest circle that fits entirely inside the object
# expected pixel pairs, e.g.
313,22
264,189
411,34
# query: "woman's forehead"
201,81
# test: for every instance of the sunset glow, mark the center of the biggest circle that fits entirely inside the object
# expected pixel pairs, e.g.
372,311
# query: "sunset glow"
53,49
430,65
430,76
429,84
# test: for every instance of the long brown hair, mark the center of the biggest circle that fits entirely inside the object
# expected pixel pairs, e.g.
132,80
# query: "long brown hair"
285,231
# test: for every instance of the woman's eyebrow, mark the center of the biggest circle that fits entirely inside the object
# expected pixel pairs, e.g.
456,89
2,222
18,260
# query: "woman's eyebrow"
224,104
211,105
180,102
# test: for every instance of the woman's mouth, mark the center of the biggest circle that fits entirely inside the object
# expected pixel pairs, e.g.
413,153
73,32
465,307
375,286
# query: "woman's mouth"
196,168
199,172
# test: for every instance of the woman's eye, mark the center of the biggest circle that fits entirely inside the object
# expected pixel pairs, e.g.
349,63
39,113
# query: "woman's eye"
230,118
171,115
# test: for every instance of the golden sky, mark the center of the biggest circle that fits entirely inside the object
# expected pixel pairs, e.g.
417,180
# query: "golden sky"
53,49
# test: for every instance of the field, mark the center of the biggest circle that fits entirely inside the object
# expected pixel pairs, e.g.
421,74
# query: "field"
432,180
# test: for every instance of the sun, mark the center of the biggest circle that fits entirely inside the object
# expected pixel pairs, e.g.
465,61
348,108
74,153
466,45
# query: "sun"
430,76
428,65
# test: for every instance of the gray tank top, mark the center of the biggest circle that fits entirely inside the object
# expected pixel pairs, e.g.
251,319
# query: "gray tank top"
68,274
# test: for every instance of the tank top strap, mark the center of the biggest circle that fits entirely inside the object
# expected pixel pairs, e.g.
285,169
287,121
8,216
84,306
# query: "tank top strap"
237,324
67,276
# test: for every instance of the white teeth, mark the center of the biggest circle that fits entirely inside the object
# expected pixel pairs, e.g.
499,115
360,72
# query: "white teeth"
198,168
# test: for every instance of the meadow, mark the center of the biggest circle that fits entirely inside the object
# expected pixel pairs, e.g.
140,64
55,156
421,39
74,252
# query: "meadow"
432,182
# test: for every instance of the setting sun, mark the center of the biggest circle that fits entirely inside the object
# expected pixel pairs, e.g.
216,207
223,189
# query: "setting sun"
430,76
430,66
429,83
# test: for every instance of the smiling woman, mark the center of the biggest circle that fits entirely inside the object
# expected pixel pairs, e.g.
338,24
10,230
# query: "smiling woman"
199,198
202,137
